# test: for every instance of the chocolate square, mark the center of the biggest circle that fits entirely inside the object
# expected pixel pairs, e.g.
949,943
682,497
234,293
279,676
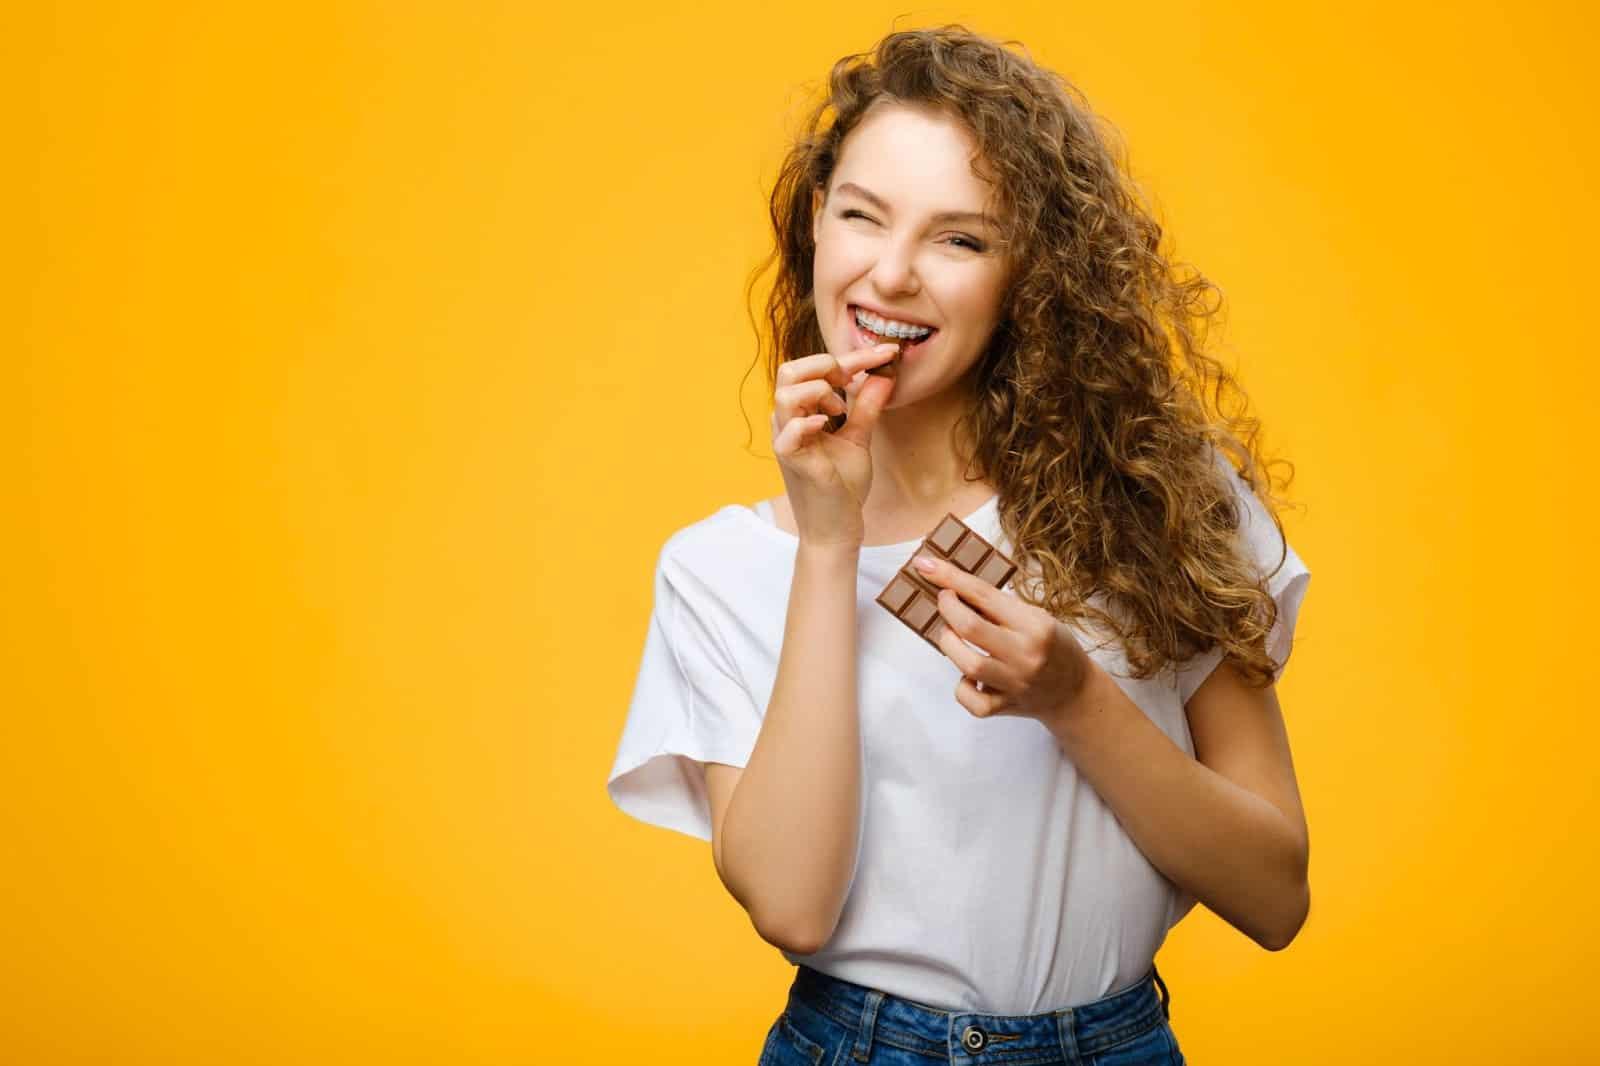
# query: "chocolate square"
914,599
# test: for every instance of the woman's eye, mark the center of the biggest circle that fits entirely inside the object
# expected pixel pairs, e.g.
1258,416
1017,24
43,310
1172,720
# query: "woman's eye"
966,242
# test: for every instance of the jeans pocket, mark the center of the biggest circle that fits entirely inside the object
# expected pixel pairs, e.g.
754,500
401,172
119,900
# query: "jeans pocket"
788,1046
1153,1047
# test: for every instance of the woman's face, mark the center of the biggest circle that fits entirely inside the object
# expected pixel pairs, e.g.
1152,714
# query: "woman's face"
902,232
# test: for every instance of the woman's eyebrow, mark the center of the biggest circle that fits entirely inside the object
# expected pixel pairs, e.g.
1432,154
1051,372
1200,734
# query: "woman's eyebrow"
943,216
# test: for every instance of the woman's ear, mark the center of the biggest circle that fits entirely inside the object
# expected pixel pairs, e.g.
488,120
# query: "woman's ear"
817,200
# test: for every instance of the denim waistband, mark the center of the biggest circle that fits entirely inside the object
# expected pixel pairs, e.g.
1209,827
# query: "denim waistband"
1071,1032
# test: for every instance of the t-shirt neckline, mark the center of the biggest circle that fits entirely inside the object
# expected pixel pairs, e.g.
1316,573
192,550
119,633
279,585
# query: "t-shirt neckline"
867,550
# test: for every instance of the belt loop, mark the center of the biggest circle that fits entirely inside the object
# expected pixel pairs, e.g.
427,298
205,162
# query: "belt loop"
1166,997
864,1028
1067,1030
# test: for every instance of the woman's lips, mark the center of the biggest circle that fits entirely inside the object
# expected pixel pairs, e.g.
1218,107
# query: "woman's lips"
867,340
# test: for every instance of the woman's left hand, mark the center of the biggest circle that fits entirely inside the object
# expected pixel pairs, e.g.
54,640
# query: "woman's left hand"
1035,667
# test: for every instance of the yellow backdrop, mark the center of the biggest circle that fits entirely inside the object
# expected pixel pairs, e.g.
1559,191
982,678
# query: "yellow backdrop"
365,354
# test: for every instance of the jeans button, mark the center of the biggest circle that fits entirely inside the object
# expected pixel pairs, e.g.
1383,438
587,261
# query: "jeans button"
973,1038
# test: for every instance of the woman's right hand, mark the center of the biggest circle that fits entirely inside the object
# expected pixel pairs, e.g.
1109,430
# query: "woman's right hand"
827,475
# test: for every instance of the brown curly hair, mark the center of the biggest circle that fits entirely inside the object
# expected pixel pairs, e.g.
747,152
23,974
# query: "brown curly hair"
1091,413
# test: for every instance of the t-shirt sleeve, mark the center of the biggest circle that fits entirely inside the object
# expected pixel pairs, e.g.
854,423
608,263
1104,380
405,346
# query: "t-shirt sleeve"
1287,586
689,707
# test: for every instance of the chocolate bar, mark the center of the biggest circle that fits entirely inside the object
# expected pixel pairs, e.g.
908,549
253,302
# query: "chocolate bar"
888,370
914,599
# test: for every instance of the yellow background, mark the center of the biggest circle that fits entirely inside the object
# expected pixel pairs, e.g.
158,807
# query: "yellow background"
361,356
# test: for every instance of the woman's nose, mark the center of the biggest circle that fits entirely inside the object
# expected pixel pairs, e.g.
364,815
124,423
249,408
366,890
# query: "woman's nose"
894,271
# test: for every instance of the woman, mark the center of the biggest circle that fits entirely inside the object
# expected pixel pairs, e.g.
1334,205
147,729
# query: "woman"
982,849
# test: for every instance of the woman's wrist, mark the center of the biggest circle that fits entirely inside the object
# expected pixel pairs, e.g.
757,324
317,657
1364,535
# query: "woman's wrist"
830,553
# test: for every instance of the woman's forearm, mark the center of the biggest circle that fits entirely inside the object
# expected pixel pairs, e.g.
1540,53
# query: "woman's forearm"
1228,847
792,825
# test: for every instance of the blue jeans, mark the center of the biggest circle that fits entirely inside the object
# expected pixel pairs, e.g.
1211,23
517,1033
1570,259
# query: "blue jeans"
829,1022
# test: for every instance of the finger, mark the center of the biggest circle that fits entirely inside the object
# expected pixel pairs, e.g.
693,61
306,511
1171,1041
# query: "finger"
806,398
836,370
870,398
852,388
997,606
823,366
805,368
879,355
969,660
971,626
886,361
996,645
981,702
872,357
802,397
833,400
794,436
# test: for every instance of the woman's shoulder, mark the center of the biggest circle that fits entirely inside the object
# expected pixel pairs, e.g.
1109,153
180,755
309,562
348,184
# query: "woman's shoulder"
726,539
724,567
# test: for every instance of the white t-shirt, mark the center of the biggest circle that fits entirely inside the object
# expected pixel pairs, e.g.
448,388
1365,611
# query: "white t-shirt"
990,876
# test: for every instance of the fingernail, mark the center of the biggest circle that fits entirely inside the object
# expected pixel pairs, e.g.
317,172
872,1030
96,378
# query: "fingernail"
886,346
923,563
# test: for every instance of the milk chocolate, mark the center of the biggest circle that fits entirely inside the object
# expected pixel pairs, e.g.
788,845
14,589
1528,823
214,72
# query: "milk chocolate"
914,599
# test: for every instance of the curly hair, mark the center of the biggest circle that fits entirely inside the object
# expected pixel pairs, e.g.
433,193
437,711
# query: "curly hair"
1091,411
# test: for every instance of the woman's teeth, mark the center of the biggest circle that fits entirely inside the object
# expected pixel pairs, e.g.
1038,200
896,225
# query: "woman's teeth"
888,327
